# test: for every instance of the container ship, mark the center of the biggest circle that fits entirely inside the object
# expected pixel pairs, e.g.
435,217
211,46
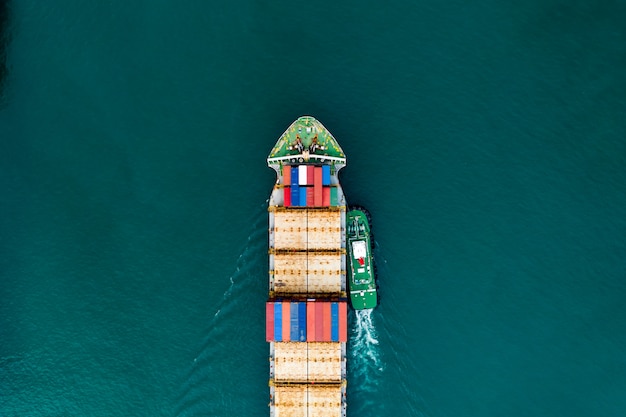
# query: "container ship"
306,313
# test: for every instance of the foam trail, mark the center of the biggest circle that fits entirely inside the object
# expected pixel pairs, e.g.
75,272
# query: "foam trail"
365,362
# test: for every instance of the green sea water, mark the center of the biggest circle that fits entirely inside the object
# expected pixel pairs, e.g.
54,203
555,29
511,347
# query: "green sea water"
488,140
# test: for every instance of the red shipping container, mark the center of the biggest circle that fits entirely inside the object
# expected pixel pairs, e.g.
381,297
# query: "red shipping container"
317,176
343,322
317,185
310,322
286,321
326,196
310,198
319,322
287,196
310,174
287,175
327,322
269,322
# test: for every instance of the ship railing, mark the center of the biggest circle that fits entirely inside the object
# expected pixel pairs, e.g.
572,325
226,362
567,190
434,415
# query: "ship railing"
299,296
287,251
296,209
302,158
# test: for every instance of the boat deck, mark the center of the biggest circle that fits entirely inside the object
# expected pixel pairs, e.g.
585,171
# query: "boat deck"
308,400
308,362
309,137
307,229
307,273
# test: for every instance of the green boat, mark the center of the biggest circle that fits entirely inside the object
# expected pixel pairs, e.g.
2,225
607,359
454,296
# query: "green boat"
361,271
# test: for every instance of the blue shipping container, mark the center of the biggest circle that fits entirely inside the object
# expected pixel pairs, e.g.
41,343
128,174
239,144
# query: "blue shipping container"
325,175
334,322
294,176
295,194
293,322
278,322
302,321
302,197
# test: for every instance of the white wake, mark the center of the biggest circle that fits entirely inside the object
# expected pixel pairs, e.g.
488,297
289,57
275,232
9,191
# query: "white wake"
366,361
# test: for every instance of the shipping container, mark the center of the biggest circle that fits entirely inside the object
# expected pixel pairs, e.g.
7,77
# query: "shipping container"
287,175
310,174
317,185
327,323
286,321
310,197
302,177
317,196
333,197
334,322
302,321
325,174
317,176
325,197
294,175
295,195
343,322
278,322
287,196
298,322
319,322
294,331
269,322
310,322
313,321
303,196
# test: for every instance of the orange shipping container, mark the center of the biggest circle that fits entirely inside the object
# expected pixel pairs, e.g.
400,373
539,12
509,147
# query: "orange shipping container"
343,322
310,197
326,196
286,321
310,322
317,176
287,175
327,322
317,186
319,322
310,174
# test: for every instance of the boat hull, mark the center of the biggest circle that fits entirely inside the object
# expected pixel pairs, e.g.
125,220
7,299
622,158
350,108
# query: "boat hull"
361,272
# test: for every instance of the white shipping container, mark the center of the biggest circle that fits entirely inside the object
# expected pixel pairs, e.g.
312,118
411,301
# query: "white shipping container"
302,179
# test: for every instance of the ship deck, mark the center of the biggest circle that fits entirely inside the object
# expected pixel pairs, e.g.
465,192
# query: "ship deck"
306,315
306,136
308,400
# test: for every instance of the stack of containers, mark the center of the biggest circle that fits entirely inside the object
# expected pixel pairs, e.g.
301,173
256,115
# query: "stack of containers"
310,321
308,186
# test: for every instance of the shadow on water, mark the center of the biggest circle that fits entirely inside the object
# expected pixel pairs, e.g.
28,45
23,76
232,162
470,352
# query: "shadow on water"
4,42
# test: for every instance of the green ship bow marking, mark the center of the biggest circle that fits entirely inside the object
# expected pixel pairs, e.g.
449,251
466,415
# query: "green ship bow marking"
307,138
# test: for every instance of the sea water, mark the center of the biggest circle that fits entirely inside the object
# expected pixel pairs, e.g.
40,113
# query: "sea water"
487,139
